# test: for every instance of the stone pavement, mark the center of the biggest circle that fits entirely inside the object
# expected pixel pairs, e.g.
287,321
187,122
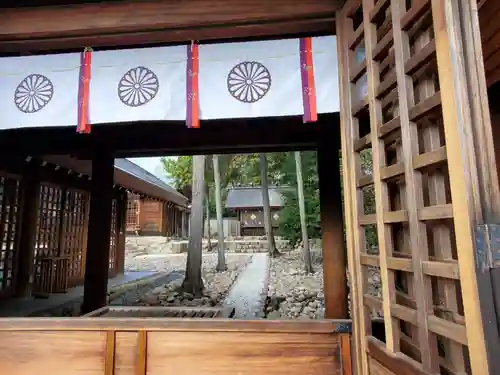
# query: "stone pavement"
249,292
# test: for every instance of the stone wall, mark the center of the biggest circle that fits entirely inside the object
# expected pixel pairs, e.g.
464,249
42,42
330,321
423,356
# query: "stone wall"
145,245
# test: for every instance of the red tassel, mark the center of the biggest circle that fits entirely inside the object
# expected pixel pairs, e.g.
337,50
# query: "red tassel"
84,92
307,75
192,87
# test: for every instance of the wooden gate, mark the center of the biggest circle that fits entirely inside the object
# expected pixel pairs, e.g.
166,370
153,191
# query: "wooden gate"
418,154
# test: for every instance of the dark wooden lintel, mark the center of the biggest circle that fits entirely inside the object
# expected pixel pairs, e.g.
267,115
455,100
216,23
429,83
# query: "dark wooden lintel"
161,21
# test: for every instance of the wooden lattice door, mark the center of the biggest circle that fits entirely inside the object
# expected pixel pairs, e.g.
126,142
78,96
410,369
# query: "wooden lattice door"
408,152
74,218
50,265
133,212
9,236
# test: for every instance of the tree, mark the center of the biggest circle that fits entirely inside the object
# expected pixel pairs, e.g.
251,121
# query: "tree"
221,260
289,222
193,283
180,170
273,251
306,254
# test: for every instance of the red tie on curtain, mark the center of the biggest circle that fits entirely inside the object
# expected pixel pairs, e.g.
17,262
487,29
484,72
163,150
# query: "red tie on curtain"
192,87
307,75
83,92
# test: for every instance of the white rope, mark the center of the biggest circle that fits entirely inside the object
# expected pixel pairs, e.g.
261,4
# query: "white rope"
155,63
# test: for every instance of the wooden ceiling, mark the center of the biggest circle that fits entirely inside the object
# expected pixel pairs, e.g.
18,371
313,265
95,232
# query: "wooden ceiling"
30,29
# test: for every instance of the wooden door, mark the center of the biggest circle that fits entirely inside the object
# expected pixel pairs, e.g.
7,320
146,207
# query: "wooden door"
417,150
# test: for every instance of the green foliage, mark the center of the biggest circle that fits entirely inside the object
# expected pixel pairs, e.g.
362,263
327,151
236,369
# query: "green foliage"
180,170
289,226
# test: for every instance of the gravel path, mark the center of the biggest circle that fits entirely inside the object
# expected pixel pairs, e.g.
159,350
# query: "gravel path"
217,284
248,293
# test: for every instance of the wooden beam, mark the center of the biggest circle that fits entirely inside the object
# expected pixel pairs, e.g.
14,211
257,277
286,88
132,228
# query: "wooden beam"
141,22
161,138
97,256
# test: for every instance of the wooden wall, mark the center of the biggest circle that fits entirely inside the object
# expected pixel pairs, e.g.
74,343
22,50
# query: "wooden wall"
252,221
150,216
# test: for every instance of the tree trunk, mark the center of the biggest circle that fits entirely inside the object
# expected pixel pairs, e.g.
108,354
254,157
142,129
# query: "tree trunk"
268,226
306,254
221,258
193,282
207,214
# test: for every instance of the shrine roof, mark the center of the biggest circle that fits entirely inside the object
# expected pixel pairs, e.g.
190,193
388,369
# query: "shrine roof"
128,175
251,197
135,170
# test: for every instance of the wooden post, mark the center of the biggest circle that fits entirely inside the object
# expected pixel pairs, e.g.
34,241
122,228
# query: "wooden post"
99,231
30,202
332,226
121,230
85,236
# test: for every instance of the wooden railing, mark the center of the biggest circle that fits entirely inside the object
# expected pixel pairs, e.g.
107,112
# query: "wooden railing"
156,346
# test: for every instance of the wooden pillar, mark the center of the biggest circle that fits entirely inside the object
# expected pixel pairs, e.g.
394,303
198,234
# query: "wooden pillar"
165,219
184,224
99,232
332,226
122,206
30,202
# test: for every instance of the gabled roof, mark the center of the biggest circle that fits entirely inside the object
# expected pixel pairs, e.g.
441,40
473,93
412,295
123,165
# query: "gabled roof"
251,197
127,175
135,170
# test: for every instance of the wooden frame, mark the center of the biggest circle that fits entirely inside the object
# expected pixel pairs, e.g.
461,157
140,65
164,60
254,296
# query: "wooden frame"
167,312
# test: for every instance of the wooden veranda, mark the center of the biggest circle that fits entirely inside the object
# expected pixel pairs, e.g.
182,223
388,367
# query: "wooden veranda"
414,128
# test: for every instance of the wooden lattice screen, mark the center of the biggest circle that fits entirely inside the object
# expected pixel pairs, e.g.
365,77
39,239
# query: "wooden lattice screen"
113,239
74,232
396,145
9,226
49,221
48,241
133,211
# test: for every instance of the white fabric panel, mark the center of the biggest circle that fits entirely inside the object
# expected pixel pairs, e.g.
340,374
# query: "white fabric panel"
39,91
236,80
282,60
159,76
326,74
